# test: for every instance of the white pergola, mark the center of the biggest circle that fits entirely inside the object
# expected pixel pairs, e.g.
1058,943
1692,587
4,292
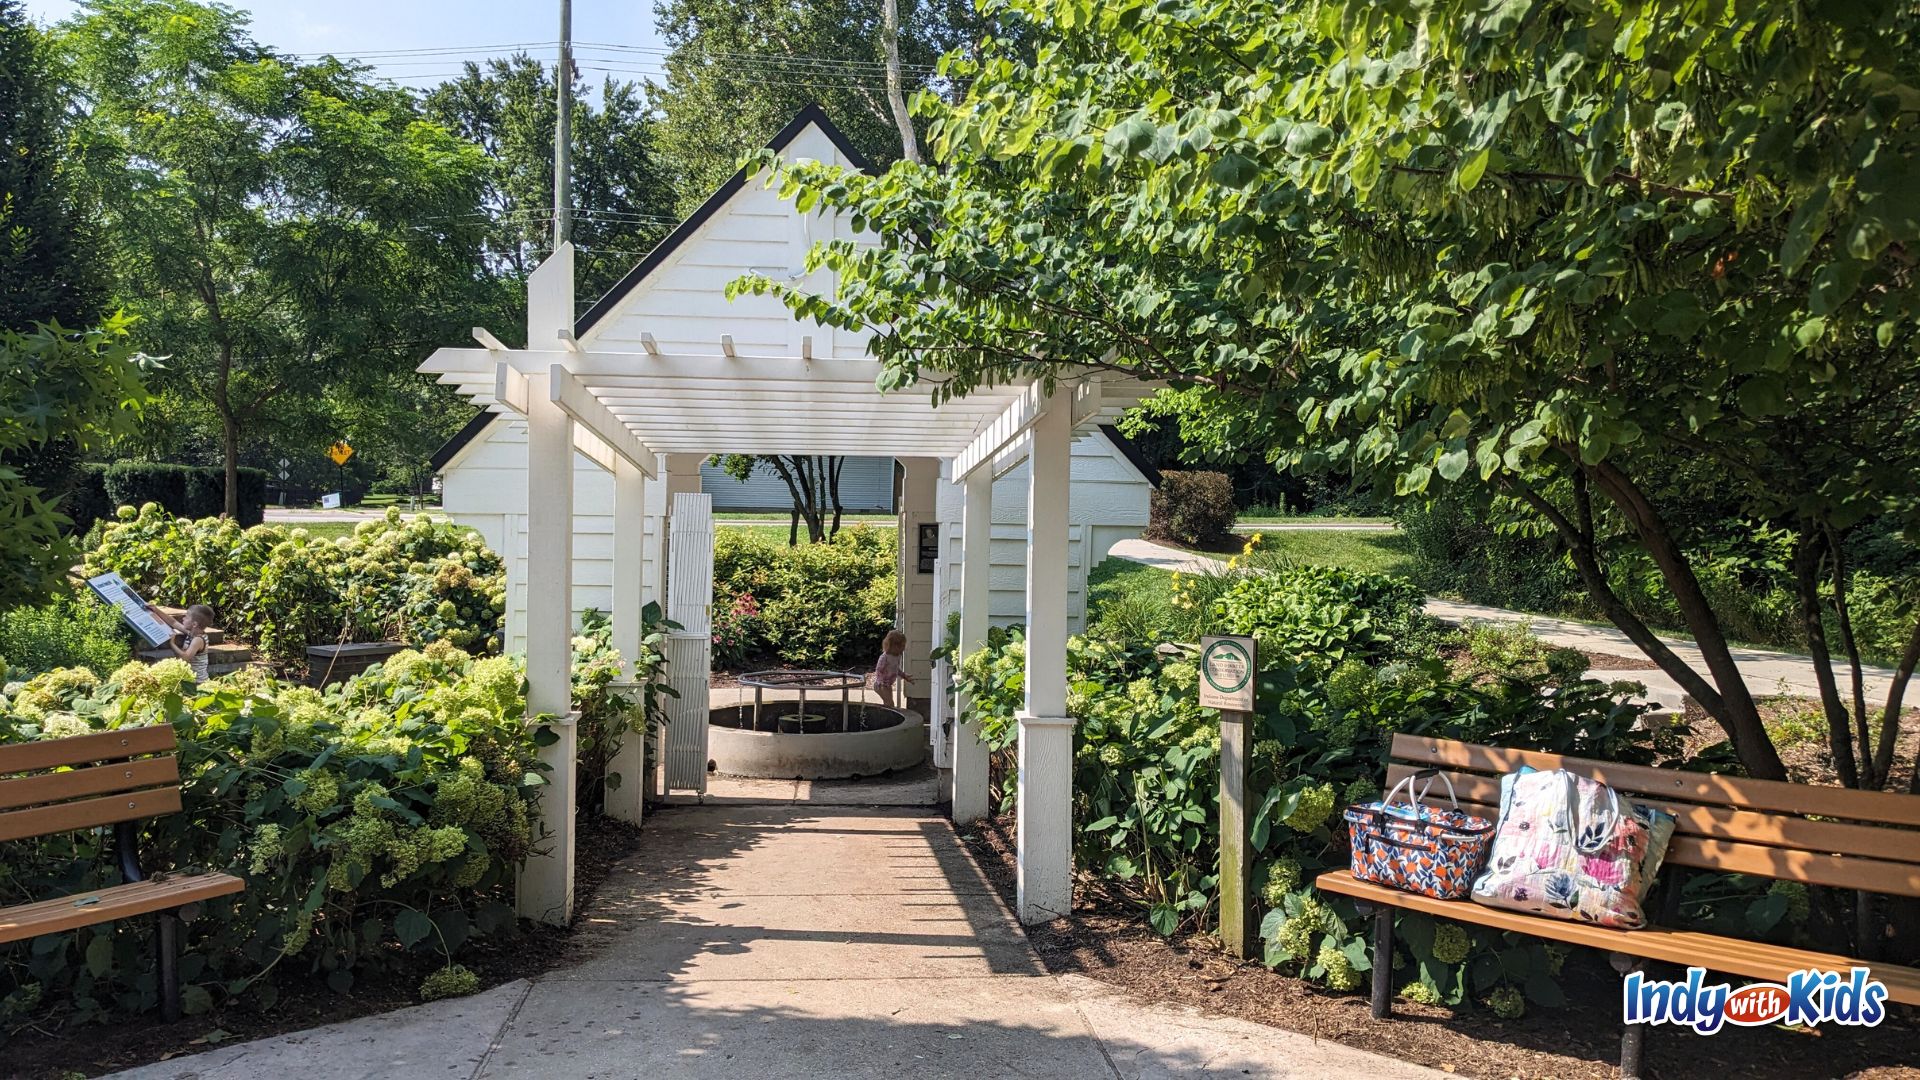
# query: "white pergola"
623,409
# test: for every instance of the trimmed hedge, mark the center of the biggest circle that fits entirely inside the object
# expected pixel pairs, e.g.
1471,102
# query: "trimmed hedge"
815,604
1192,508
194,491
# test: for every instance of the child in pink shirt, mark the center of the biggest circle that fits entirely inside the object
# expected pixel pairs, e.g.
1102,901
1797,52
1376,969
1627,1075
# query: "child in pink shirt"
891,667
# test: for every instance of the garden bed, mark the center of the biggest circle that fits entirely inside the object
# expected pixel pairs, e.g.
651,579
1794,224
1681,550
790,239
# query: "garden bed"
104,1048
1107,938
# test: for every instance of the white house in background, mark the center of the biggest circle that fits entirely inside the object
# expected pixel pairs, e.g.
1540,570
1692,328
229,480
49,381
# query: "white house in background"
675,301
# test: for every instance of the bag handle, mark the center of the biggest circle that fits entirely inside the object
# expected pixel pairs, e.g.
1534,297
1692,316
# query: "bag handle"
1414,802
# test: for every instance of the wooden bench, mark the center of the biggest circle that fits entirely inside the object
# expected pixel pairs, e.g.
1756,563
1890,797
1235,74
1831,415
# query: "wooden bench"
112,778
1861,840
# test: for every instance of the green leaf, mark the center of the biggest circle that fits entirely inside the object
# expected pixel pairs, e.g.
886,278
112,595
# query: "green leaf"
412,927
195,1000
1306,140
1129,137
1803,231
1165,919
1762,396
1542,990
1472,168
100,953
1234,170
1453,464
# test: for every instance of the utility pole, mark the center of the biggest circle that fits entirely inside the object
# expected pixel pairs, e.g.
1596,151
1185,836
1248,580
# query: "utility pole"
563,132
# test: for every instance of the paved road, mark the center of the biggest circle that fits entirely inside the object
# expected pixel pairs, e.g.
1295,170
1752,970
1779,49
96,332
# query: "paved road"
794,942
1766,672
283,515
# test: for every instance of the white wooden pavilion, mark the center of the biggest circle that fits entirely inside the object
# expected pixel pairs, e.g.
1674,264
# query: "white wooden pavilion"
630,402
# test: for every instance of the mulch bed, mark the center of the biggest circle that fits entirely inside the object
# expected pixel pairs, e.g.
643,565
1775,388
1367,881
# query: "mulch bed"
1107,939
1808,760
306,1003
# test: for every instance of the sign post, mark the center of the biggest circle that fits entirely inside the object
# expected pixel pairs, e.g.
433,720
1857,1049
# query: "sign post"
1226,683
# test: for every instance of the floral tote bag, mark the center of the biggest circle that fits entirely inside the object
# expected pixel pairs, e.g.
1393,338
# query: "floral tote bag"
1569,847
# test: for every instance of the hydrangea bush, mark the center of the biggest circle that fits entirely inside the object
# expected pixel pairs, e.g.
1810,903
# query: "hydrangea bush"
373,823
283,588
816,604
1346,662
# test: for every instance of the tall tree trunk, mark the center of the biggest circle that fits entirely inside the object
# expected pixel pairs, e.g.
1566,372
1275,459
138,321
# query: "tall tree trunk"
1868,777
896,93
1806,580
1741,714
1583,550
834,465
229,431
1890,718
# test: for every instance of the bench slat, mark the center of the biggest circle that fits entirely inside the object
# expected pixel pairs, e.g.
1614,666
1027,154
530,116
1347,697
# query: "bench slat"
85,749
97,780
87,813
107,905
1791,864
1683,947
1883,807
1717,823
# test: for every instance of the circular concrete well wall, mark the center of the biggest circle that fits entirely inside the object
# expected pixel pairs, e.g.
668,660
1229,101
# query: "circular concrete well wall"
818,741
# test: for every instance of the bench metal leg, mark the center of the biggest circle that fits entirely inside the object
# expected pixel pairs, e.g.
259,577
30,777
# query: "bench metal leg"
1382,963
1633,1037
169,939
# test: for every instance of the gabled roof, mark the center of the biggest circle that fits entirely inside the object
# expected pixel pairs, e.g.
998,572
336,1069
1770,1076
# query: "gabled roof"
813,115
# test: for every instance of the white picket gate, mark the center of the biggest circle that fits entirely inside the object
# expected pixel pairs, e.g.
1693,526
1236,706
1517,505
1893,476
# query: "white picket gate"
690,649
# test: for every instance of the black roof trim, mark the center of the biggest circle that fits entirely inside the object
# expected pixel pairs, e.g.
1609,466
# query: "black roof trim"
465,435
812,114
1132,453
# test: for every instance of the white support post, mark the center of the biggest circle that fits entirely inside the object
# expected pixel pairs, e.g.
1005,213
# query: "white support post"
626,786
913,603
976,598
546,879
1044,848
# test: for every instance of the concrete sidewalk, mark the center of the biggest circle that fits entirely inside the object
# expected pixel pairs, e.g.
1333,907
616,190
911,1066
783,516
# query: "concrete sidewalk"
1766,672
794,941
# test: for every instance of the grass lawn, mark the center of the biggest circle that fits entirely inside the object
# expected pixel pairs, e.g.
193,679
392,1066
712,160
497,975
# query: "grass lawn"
778,533
1310,519
780,515
1372,552
329,530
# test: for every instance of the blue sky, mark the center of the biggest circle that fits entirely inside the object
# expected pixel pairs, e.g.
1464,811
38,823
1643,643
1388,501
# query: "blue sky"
370,28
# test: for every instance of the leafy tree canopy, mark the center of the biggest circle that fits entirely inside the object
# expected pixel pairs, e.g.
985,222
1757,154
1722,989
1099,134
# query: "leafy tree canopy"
740,69
623,195
278,227
1554,250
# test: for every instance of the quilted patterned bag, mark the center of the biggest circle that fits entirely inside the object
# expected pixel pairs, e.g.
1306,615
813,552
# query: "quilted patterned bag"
1569,847
1418,848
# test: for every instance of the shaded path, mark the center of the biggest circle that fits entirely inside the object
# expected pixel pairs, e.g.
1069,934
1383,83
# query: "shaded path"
794,941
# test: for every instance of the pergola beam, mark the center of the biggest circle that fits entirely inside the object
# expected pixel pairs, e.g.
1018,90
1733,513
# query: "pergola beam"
587,412
1015,421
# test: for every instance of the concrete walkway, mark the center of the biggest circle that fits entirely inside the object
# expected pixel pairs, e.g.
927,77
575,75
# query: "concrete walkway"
1766,672
783,941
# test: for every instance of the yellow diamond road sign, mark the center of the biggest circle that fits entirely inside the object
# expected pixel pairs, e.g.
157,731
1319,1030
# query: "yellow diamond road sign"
340,452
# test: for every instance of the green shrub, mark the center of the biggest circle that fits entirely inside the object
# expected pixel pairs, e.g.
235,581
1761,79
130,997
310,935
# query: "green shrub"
184,490
614,708
1324,614
820,604
86,499
1192,508
282,588
73,631
1456,551
376,825
1332,693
